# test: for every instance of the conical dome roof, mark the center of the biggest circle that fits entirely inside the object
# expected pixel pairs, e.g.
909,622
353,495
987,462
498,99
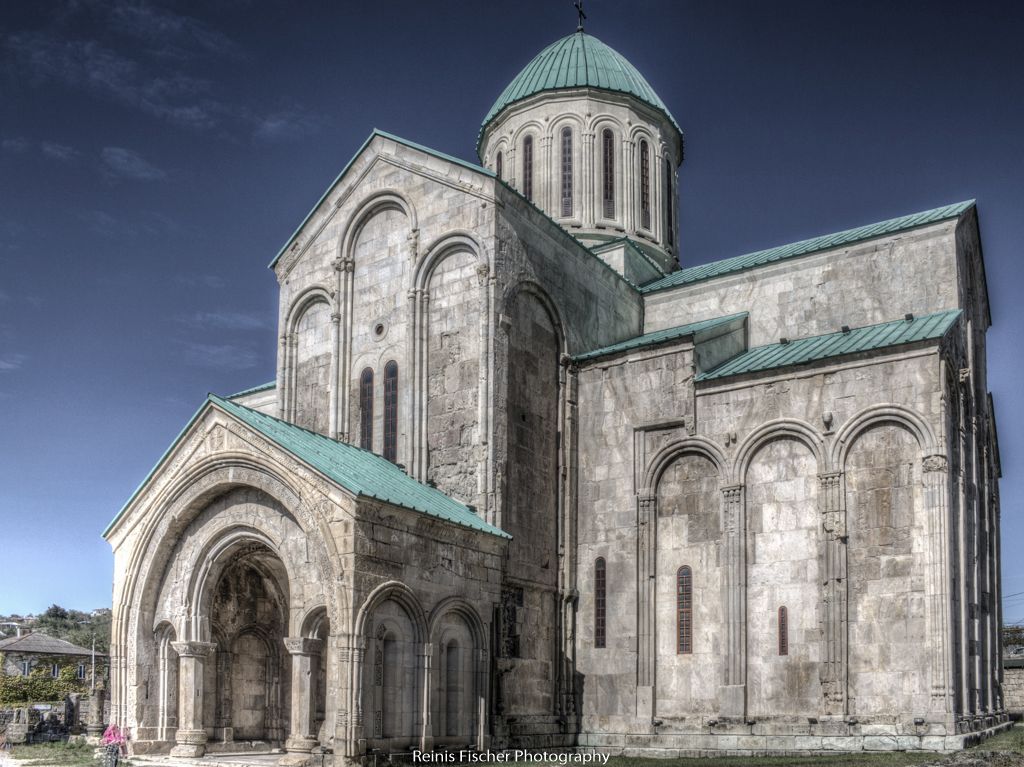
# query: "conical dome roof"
578,61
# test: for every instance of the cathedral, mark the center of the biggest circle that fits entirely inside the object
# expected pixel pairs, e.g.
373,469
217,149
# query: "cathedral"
526,479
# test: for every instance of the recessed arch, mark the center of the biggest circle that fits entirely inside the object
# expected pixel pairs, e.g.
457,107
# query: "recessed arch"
695,445
782,428
401,594
847,434
303,300
383,199
538,292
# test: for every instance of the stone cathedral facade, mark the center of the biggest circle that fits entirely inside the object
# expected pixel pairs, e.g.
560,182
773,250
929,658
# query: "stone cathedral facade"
522,480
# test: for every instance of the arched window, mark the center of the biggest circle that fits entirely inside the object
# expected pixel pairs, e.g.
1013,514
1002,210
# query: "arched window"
608,173
599,602
366,409
566,171
684,611
783,631
528,168
645,185
669,230
391,411
498,165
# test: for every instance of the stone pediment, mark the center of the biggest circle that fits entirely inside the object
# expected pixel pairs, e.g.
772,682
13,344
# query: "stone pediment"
379,147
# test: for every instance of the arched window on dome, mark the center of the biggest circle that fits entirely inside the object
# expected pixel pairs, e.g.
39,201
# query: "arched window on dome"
600,586
670,234
391,411
783,631
608,173
645,185
566,172
528,168
684,611
366,409
498,165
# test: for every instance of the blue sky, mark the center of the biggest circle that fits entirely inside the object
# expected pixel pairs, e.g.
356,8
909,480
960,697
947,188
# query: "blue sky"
154,156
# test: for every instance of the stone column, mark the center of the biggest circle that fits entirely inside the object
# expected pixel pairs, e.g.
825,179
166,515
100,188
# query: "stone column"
647,515
588,201
936,489
732,695
191,735
426,669
833,670
353,718
481,670
301,740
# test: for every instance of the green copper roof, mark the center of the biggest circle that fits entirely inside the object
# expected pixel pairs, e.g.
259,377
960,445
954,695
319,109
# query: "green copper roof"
255,389
804,247
359,471
578,61
659,336
805,350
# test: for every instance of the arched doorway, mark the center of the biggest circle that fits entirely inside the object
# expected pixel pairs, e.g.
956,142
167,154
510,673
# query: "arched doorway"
247,687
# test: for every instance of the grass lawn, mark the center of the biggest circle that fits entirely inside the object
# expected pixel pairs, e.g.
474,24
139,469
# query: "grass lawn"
891,759
56,755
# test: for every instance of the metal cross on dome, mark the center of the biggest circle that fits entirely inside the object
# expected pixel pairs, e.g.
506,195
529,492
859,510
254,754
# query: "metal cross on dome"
578,5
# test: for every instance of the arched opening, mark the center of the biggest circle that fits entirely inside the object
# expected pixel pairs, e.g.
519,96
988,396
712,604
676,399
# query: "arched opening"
167,683
645,184
566,180
458,698
366,409
528,168
391,679
311,379
608,173
248,681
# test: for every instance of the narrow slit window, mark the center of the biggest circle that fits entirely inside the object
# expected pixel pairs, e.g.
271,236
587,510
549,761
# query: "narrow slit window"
599,602
528,168
498,162
669,229
684,611
608,173
566,171
783,631
391,411
645,185
366,409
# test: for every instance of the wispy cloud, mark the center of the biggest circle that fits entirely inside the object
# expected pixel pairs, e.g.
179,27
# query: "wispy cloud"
15,145
126,163
12,361
55,151
224,320
153,77
168,33
219,356
287,125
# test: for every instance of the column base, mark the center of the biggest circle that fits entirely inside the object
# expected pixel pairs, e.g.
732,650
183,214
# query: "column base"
190,743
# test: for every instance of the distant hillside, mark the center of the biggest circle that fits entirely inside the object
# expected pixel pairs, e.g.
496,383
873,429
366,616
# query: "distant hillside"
73,626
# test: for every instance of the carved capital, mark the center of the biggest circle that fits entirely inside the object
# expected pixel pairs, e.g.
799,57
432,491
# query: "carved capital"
483,273
732,493
193,649
303,645
935,463
646,502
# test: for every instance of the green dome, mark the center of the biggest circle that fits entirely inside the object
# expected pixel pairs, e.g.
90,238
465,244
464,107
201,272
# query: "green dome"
577,61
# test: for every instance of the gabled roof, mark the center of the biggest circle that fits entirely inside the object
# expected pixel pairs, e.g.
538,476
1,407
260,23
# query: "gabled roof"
578,60
42,644
805,247
659,336
374,134
254,389
359,471
806,350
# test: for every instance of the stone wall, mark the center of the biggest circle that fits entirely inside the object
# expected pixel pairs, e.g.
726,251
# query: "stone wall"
1013,690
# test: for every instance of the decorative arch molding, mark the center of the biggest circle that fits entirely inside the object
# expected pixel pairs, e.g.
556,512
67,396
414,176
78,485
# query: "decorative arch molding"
400,594
641,131
450,243
782,428
382,199
460,607
305,299
531,126
210,565
605,120
534,289
312,620
876,415
695,445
